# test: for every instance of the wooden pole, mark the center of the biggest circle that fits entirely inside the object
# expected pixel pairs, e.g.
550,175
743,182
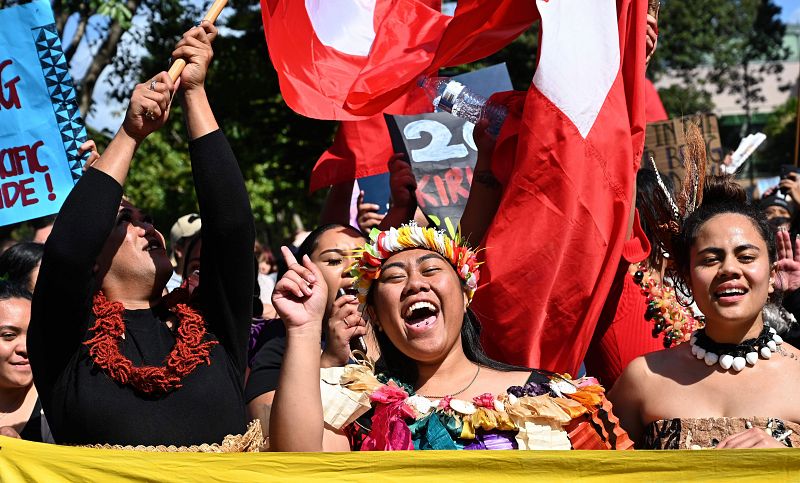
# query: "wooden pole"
213,12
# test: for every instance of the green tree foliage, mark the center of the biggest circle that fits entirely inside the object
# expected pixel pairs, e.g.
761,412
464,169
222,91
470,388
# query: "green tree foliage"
681,100
725,45
276,148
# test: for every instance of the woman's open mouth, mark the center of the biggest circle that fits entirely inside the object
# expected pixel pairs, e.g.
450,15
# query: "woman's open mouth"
730,295
420,315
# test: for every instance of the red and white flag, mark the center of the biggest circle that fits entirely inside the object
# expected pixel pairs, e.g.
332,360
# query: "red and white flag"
554,246
352,59
363,148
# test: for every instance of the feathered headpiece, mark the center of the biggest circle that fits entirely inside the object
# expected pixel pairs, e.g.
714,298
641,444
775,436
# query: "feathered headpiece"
383,244
670,218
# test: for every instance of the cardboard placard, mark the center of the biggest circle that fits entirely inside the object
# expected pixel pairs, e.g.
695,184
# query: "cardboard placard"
442,154
40,123
441,150
666,142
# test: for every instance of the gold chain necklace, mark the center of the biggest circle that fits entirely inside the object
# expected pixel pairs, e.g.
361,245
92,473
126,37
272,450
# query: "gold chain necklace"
474,378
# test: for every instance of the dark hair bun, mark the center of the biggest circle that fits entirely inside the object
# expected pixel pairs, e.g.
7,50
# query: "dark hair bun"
723,189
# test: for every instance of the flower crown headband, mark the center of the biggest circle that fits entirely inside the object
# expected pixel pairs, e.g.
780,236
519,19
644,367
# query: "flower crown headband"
384,244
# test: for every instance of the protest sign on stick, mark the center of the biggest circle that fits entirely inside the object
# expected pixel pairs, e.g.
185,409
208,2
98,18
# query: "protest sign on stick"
666,142
40,124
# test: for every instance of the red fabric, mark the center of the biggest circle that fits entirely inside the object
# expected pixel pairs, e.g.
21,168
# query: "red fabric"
478,29
506,147
622,332
654,109
553,249
360,149
411,38
363,148
389,430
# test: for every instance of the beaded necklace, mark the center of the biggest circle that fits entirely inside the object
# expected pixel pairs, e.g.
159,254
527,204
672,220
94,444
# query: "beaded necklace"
736,356
189,351
669,317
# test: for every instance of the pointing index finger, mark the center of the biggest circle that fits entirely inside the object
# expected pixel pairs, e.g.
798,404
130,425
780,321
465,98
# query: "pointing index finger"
288,256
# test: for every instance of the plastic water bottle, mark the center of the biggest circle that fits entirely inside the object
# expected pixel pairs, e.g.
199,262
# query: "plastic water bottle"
451,96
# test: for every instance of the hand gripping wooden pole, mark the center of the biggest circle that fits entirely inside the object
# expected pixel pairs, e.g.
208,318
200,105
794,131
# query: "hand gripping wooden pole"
213,12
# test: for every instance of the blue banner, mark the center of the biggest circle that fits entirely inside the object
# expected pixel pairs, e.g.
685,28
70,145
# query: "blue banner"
40,123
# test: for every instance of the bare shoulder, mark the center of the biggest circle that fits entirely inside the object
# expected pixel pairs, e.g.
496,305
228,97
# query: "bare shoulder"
791,356
636,375
647,370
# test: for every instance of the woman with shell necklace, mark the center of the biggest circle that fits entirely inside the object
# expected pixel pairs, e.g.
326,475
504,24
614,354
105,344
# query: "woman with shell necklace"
734,385
114,361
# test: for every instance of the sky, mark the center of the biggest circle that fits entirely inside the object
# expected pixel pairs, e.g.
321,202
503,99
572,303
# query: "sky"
791,10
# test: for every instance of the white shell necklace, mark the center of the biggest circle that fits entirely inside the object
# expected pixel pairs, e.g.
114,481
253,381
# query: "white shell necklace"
735,356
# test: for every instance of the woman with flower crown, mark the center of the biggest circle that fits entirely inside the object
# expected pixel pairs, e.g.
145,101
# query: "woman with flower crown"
734,384
436,389
114,361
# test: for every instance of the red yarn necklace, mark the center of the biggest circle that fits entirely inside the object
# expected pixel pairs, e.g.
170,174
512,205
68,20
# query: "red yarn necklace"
189,352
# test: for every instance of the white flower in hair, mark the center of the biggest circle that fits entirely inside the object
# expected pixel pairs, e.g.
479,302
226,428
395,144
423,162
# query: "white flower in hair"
417,235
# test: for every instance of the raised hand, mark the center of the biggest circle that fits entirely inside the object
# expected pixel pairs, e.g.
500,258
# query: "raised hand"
344,324
652,37
90,147
301,295
788,264
149,107
368,216
791,184
402,182
195,49
484,141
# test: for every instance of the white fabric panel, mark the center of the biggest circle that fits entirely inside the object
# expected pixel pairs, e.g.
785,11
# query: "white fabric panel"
344,25
579,57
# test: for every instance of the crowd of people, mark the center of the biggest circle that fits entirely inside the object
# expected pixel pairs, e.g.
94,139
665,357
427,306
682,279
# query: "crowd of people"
366,340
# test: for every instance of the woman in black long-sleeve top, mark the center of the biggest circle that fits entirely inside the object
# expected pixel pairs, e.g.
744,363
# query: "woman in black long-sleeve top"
104,258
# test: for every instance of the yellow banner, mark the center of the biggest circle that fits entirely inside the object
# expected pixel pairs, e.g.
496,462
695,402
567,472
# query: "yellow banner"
23,461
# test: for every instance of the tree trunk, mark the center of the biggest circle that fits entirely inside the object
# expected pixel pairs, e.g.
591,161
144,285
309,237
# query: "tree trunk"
61,13
106,53
80,30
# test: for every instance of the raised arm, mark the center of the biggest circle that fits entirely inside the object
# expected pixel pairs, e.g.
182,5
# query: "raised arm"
403,187
65,285
226,267
296,421
485,192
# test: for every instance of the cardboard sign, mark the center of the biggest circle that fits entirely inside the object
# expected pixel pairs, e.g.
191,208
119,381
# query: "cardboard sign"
488,80
442,154
666,142
441,150
40,124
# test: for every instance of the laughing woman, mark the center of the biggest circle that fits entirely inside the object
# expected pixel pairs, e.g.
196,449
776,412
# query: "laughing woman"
114,362
735,385
439,390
